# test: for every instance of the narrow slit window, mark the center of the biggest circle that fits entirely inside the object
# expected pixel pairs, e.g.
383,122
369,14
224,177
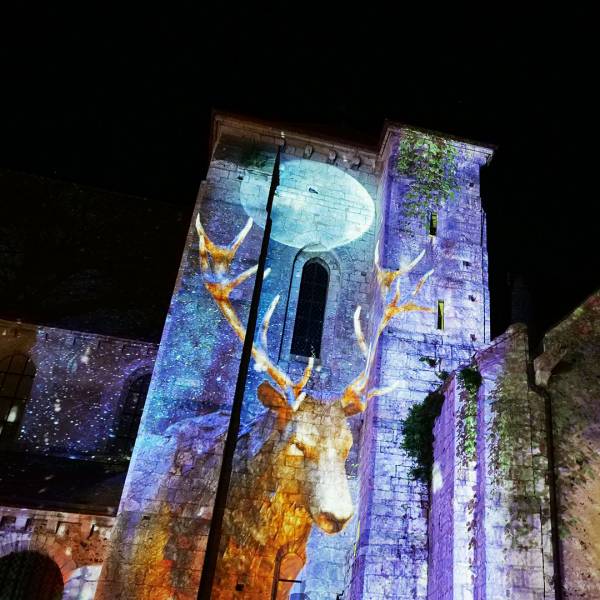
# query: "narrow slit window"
440,314
433,224
310,313
131,413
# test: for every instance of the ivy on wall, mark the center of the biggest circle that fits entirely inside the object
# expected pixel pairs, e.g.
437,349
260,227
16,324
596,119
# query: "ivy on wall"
469,380
417,431
573,383
514,408
431,163
417,428
509,443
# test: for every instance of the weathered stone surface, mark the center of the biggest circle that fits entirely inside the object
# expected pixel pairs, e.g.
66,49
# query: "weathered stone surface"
487,539
569,370
322,496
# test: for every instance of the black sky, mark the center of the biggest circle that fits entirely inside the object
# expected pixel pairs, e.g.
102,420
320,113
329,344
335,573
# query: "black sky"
123,102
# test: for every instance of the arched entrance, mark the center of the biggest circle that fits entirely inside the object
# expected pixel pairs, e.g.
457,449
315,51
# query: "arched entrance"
287,568
30,576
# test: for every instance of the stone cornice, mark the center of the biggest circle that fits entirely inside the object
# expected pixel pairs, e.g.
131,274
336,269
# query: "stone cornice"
280,134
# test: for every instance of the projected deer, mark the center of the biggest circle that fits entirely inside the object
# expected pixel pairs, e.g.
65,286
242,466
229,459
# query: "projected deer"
289,469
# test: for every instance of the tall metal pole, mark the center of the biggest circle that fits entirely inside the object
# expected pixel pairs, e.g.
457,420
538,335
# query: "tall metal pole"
216,525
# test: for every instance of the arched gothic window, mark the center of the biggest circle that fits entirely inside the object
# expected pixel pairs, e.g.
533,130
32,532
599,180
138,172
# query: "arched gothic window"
16,377
131,414
310,312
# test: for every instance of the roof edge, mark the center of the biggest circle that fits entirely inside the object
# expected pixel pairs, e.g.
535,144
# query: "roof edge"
282,130
38,327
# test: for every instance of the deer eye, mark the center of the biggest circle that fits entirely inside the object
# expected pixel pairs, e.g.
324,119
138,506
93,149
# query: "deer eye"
297,448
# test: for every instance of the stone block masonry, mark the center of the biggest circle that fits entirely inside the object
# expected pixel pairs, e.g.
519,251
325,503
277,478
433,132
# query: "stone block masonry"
568,373
157,549
393,547
79,382
489,520
321,501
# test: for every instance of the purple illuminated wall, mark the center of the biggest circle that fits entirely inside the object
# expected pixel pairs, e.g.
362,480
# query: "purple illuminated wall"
392,551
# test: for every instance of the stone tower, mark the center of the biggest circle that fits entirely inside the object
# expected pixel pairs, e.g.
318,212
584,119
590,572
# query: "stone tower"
321,502
391,556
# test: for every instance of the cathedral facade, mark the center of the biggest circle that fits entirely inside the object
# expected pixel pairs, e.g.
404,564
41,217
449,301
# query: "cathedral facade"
327,416
357,292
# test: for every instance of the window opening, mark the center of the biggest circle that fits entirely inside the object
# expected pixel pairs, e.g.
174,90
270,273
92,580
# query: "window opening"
440,314
286,582
310,312
433,224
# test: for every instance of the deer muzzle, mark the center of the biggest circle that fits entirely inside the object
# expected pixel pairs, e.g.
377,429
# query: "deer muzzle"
331,505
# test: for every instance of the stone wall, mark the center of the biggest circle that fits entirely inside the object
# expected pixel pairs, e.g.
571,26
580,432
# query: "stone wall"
489,526
323,209
392,556
442,526
167,502
569,372
322,494
78,390
338,181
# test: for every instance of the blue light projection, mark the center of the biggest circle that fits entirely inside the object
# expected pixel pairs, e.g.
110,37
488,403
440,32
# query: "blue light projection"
316,205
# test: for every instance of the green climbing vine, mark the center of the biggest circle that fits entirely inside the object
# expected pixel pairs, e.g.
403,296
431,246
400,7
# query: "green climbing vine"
431,162
469,380
417,430
433,363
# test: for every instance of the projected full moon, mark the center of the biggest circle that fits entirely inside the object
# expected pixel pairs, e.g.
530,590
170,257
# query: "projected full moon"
316,205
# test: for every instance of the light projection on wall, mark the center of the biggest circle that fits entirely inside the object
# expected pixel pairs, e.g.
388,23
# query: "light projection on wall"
289,469
291,493
316,205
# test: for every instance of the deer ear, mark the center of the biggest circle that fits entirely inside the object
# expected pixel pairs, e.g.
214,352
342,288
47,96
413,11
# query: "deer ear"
270,397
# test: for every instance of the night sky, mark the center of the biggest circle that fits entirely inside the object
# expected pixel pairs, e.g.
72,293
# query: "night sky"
123,103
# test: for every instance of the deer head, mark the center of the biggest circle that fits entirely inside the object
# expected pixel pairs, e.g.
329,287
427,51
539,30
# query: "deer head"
306,423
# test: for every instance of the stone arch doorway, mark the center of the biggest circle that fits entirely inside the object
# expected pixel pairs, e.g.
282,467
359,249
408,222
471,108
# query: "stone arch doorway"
286,584
30,576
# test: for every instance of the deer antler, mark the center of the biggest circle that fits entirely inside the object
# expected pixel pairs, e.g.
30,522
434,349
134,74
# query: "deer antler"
215,263
356,394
